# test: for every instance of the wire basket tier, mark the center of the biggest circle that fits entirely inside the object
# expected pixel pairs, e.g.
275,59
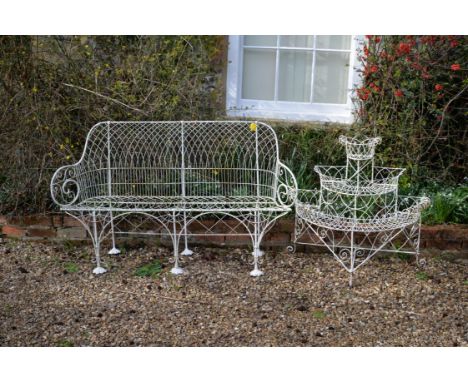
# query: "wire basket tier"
335,179
359,149
407,211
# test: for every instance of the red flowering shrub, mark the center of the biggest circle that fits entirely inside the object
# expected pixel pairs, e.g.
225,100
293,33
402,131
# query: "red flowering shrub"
414,94
403,48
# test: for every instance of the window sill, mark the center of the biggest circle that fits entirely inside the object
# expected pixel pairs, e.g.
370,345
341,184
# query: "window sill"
346,117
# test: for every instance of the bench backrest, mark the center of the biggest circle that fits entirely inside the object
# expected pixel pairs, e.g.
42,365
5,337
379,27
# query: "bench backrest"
192,158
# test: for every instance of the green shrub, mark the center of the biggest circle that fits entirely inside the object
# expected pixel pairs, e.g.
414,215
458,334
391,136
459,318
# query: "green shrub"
449,203
304,145
448,206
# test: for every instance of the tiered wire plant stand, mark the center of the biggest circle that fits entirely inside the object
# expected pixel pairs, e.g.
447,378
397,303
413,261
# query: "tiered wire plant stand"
357,211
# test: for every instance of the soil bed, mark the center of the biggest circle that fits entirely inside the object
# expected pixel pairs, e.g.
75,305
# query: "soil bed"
48,297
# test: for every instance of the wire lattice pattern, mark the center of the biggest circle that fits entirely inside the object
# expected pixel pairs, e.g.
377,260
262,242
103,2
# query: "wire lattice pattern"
357,211
174,173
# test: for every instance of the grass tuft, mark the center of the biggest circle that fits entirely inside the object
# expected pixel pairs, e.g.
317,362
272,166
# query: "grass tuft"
319,314
65,343
423,276
152,270
71,267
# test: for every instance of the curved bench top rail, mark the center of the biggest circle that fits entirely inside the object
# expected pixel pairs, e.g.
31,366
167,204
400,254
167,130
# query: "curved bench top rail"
108,124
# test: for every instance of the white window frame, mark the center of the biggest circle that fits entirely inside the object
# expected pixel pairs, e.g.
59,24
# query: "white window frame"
236,106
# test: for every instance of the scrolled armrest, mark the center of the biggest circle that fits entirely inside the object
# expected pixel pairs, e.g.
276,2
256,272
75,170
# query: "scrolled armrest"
424,202
286,191
64,187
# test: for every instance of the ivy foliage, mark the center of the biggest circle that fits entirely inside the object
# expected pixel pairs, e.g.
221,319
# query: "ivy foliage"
53,89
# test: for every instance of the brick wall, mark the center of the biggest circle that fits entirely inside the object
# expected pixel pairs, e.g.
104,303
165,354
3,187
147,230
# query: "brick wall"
63,227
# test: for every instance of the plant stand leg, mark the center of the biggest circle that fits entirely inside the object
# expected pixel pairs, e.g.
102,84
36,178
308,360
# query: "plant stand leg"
351,273
352,254
96,241
421,263
114,250
186,251
176,270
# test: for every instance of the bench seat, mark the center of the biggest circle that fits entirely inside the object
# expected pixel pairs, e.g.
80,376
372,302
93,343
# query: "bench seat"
177,203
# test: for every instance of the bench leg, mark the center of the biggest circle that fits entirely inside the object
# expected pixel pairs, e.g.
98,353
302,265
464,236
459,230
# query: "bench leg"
256,245
256,271
96,241
176,270
186,251
114,250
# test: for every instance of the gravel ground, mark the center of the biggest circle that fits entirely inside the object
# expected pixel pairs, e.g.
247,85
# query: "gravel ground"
48,297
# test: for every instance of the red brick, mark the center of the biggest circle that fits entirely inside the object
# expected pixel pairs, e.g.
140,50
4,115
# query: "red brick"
311,249
454,245
42,220
57,220
69,221
206,239
214,238
310,239
435,243
455,232
13,231
13,220
277,238
431,232
284,225
238,240
71,233
41,232
197,227
233,223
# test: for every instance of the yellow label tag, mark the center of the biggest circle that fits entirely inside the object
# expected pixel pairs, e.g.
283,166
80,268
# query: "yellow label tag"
253,127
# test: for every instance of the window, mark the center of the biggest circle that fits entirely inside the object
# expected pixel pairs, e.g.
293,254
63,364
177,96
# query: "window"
291,77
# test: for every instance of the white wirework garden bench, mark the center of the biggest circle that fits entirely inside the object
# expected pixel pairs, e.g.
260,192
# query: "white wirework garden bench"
173,174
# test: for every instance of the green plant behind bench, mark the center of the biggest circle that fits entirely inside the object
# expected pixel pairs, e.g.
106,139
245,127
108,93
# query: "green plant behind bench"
449,206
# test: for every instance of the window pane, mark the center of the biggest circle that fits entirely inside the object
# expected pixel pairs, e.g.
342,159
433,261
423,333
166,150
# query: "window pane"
297,41
333,42
258,77
331,77
260,40
295,69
